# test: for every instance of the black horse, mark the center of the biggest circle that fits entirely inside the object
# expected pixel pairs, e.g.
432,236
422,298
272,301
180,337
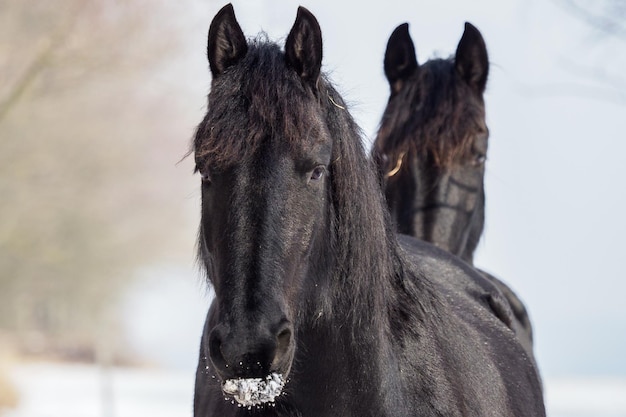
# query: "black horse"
319,309
431,150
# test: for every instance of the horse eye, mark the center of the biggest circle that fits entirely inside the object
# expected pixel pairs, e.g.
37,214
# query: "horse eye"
480,159
205,177
317,173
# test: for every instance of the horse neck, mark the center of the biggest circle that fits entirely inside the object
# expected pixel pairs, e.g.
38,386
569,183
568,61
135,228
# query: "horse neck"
345,344
355,271
353,335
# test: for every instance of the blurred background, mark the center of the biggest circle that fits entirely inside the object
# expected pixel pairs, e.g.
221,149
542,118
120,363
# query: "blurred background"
101,303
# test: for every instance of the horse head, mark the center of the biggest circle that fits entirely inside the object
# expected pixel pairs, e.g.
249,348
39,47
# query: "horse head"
432,143
263,153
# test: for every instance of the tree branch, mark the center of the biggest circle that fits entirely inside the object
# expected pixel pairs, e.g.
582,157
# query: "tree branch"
610,22
39,64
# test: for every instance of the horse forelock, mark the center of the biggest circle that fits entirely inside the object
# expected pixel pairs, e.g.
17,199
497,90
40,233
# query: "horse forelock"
435,114
256,100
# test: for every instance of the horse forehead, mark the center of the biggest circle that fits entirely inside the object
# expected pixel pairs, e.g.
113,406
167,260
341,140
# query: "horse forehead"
446,100
283,149
298,135
231,138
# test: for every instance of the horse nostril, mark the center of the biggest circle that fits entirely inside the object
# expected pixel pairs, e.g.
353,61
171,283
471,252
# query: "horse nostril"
215,349
283,341
250,354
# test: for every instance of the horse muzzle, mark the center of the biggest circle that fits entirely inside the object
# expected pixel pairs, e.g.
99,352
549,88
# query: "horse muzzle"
251,354
252,361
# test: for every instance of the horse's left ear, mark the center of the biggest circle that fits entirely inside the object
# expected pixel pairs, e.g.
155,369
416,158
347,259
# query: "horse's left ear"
227,43
303,47
471,60
400,59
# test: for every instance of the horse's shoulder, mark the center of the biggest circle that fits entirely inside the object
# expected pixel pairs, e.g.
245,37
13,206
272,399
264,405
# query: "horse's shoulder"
453,277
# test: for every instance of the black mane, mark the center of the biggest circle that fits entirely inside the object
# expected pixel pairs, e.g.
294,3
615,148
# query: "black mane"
435,93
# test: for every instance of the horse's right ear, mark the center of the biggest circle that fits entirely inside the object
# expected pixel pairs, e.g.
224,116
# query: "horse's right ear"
471,60
303,47
400,58
227,43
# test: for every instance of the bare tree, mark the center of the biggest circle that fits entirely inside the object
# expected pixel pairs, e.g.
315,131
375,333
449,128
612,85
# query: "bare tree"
606,22
606,16
85,163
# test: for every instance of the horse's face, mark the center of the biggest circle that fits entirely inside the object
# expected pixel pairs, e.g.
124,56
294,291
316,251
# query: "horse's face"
432,144
263,154
448,207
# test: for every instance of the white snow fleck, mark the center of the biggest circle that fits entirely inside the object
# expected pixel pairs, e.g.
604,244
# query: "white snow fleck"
250,392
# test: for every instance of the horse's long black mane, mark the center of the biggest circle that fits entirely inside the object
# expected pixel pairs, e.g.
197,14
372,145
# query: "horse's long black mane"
273,102
368,251
433,95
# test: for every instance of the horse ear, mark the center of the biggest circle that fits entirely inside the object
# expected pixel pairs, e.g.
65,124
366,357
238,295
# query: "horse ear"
303,47
227,44
471,61
400,59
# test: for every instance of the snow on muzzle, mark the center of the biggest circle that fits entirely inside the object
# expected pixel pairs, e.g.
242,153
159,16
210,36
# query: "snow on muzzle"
249,392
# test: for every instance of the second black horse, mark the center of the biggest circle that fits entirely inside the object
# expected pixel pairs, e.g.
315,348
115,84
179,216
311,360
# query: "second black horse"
431,150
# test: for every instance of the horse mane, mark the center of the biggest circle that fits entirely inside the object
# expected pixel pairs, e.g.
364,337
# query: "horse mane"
366,245
371,270
434,94
273,101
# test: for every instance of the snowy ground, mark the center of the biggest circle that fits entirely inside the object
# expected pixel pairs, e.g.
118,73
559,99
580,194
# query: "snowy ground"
61,390
168,313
